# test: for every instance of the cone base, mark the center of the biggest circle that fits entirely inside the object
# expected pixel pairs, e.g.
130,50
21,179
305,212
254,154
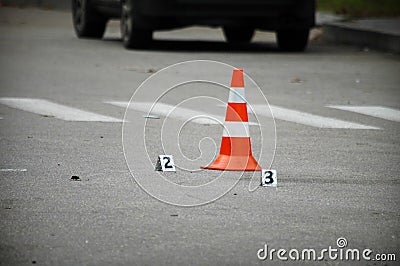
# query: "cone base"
234,163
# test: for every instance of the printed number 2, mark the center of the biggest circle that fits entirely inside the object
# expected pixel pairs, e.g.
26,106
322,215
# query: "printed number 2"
167,163
268,178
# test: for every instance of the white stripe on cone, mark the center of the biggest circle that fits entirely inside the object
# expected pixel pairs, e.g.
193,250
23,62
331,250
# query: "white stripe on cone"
236,95
236,129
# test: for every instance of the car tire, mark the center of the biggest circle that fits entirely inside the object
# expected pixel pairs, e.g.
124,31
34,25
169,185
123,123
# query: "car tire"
132,36
238,34
292,40
87,22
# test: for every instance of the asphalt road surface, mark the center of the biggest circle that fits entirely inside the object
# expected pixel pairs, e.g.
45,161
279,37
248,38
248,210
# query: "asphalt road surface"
337,152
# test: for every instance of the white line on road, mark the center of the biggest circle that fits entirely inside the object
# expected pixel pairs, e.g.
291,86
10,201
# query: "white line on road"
13,170
375,111
278,113
172,111
289,115
44,107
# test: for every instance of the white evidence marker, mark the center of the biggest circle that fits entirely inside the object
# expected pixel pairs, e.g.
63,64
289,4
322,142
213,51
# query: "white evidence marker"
269,178
165,163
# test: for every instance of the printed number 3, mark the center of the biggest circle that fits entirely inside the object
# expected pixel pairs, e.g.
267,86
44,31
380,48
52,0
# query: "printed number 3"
268,178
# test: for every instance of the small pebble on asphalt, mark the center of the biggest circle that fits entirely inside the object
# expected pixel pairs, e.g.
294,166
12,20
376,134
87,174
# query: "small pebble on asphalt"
296,80
75,178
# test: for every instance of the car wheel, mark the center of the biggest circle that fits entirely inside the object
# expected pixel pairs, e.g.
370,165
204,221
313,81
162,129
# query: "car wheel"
292,40
87,22
132,36
238,34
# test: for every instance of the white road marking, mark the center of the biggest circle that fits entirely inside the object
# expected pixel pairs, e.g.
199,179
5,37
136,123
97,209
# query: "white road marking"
172,111
278,113
13,170
289,115
375,111
44,107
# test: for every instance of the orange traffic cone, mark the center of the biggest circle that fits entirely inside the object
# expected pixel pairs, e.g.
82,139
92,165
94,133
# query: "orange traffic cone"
235,153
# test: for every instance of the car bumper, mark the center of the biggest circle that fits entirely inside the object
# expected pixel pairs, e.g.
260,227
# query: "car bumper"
261,14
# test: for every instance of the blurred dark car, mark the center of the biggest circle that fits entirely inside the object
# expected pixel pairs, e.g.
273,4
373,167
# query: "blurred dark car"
290,19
